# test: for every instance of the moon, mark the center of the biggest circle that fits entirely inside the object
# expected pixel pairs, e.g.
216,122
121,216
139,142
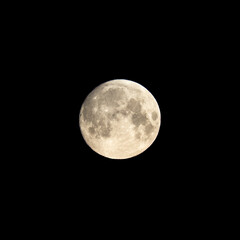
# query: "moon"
119,119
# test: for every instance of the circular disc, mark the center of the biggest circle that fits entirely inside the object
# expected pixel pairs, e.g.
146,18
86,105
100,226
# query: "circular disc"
120,119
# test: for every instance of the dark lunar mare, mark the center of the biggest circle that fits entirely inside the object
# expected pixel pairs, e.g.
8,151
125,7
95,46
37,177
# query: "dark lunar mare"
149,128
139,117
111,97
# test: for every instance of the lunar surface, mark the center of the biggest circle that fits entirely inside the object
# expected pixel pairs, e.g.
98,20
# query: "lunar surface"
120,119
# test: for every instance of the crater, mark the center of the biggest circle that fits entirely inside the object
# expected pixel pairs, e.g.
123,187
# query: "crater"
154,116
115,115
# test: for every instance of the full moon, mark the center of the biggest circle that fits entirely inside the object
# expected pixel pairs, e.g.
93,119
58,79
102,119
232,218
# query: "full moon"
120,119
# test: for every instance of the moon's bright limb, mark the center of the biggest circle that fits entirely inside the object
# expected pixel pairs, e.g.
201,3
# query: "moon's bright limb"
120,119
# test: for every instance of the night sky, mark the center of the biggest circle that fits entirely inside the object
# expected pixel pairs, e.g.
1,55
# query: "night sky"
68,56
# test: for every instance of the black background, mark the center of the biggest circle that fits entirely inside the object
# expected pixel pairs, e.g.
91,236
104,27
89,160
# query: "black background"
64,55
